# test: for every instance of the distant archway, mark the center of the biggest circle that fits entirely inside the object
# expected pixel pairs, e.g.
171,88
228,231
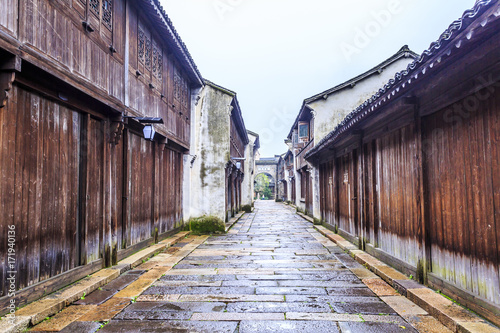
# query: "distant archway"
262,193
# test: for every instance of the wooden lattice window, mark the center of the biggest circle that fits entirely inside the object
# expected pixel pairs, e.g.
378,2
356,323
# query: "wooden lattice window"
141,45
94,7
177,86
157,61
107,14
147,52
96,14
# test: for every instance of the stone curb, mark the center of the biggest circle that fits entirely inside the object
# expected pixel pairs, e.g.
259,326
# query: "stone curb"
453,316
37,311
233,220
304,216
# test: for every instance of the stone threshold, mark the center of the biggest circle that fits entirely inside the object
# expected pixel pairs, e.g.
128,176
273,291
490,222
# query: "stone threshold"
48,306
451,315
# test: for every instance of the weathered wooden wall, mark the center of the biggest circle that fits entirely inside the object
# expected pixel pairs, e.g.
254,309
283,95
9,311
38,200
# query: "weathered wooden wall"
39,157
78,181
460,185
54,192
462,162
395,170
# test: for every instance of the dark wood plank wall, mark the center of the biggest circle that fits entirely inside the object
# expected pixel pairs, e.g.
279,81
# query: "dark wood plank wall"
462,156
396,177
53,30
92,203
140,194
237,145
237,149
71,191
347,185
53,167
170,182
161,84
40,177
461,184
8,16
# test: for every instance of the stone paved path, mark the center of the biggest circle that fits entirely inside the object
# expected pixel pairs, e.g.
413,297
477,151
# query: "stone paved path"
273,272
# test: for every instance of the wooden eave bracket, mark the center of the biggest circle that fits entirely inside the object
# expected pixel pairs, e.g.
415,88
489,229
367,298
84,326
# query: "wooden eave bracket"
8,70
116,129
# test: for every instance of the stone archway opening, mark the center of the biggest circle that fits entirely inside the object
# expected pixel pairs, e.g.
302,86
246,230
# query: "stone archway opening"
264,186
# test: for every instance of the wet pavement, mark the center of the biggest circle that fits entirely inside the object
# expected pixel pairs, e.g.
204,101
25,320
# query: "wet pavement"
272,272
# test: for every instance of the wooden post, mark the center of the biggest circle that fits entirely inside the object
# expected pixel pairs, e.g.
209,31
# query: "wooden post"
81,236
107,199
157,151
361,194
424,262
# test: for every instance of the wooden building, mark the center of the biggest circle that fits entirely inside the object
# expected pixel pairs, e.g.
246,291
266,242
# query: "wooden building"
320,114
281,180
79,182
413,174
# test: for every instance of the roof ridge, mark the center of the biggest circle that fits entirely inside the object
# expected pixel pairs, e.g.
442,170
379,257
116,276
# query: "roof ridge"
178,37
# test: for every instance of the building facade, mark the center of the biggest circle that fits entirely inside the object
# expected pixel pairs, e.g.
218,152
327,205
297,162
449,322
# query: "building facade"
320,114
251,155
216,171
412,175
80,82
267,166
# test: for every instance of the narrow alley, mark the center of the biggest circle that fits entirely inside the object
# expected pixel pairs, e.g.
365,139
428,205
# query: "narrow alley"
272,272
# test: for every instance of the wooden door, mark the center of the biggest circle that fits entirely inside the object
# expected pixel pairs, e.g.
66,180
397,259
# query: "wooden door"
91,209
348,193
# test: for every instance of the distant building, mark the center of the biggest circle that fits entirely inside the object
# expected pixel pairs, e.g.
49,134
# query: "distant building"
219,140
282,187
268,166
320,114
251,155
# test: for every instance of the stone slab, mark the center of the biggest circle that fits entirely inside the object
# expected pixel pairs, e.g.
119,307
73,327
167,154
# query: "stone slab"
231,298
133,326
380,287
82,326
403,306
122,281
39,310
427,324
403,285
106,311
287,326
235,316
373,327
64,318
135,288
97,297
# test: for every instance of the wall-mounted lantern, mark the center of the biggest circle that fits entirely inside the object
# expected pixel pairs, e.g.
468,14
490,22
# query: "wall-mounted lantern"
238,161
149,132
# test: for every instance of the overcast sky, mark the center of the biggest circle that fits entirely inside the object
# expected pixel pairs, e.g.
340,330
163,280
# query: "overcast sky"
276,53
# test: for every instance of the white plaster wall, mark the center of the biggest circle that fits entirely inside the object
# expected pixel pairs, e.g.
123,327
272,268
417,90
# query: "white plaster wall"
333,110
210,142
330,112
247,187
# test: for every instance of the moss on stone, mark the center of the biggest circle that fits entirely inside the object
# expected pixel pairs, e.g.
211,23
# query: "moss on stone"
206,225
